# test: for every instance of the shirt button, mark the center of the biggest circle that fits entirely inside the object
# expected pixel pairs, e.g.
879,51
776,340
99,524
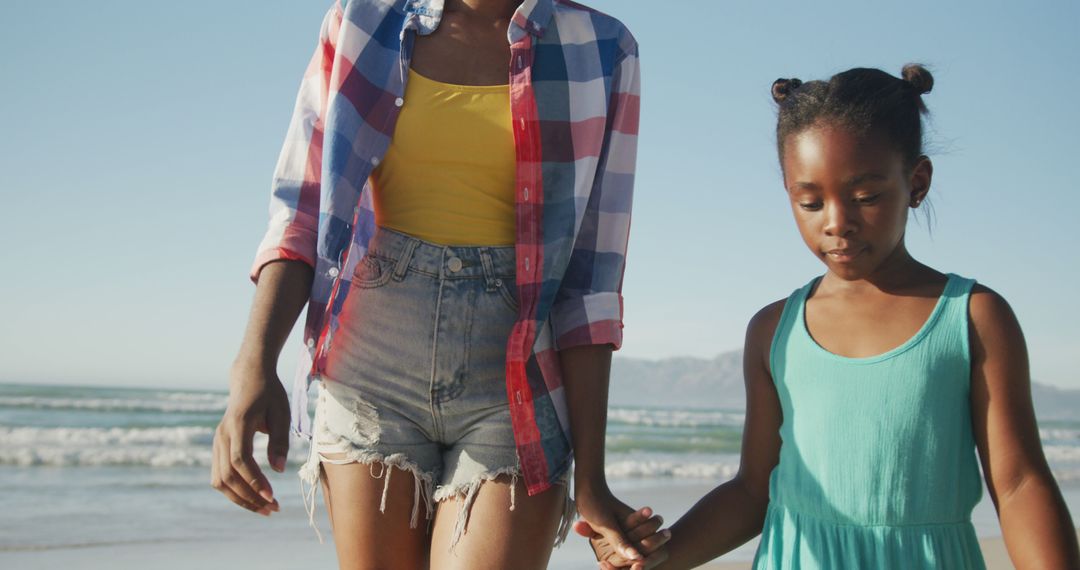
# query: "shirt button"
454,263
333,272
526,194
311,343
374,161
399,101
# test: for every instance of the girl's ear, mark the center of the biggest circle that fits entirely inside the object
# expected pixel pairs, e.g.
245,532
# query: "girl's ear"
920,180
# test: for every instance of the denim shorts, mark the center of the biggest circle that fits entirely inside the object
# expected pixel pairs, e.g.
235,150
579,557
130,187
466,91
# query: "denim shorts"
415,376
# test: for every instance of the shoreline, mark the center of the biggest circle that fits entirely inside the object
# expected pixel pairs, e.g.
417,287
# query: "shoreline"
193,527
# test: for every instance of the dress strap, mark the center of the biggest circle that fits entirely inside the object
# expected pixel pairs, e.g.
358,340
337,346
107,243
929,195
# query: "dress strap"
790,318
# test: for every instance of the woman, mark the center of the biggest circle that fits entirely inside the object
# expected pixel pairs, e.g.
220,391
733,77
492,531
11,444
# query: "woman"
458,229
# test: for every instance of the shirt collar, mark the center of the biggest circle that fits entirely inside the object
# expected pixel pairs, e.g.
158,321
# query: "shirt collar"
532,16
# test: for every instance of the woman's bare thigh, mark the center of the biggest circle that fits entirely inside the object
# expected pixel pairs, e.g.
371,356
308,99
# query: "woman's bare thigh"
496,537
367,539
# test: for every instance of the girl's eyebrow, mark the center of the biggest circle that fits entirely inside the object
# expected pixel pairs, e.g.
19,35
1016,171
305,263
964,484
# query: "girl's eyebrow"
865,177
849,183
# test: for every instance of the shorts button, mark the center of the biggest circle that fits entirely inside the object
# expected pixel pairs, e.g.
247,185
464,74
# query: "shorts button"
454,264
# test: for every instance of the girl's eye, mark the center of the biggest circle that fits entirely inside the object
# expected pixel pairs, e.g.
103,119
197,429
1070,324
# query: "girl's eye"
870,199
810,206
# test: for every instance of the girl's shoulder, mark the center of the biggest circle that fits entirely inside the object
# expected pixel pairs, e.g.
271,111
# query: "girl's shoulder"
763,324
991,318
761,330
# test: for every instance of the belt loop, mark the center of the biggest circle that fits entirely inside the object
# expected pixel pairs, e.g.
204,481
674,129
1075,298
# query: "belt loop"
406,256
489,268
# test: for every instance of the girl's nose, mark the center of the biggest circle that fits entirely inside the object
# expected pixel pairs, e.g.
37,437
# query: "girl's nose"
839,220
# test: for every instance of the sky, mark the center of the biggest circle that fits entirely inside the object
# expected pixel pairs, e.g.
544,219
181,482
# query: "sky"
138,142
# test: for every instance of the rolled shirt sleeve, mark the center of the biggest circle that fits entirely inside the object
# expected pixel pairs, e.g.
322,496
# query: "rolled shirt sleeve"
294,197
588,308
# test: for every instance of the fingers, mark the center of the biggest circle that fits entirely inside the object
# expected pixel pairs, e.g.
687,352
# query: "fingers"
646,528
583,528
235,473
651,543
637,517
656,558
218,477
619,543
277,449
252,483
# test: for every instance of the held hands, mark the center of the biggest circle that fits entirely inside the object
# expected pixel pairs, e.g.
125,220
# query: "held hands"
257,402
620,536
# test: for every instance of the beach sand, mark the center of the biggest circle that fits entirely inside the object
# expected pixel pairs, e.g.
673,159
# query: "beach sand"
223,536
278,555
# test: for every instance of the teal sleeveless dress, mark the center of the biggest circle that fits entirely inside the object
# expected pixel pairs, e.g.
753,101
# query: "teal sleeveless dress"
877,466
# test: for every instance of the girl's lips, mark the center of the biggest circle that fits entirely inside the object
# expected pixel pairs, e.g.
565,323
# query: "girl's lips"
844,255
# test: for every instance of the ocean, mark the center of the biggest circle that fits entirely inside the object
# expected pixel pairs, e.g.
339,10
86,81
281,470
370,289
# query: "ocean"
83,469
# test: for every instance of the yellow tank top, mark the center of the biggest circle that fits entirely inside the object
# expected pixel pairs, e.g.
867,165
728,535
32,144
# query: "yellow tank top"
448,176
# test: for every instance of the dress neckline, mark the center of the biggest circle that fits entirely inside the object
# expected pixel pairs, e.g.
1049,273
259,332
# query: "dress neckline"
903,347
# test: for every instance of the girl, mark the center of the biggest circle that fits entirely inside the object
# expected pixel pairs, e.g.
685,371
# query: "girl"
870,389
452,203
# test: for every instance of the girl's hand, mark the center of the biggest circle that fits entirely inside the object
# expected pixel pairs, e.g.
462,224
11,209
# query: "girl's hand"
641,529
257,402
619,535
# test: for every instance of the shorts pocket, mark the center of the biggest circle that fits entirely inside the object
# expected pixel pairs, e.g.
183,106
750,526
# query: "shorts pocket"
509,292
371,272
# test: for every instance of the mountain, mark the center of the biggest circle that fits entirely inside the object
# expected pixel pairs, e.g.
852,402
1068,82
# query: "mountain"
681,382
1053,403
687,382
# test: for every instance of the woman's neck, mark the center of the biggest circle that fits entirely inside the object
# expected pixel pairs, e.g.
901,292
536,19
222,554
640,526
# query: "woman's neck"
488,9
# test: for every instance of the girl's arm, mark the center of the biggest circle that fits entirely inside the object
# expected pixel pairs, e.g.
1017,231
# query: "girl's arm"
1034,519
734,512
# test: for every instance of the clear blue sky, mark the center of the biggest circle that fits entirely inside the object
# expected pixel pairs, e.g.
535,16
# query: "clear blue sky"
139,139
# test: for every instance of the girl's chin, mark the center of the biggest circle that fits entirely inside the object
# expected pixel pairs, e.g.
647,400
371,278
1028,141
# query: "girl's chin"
849,271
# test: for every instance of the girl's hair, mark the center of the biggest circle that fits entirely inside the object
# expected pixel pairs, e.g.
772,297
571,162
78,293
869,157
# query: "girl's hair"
863,99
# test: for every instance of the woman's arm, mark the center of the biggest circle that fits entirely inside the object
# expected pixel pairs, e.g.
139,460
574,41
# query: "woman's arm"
586,373
282,272
257,400
1035,522
734,512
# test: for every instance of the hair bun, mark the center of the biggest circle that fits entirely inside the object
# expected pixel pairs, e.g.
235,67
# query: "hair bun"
783,88
919,78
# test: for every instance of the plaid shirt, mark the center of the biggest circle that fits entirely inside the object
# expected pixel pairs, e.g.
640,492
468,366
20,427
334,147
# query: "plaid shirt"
574,101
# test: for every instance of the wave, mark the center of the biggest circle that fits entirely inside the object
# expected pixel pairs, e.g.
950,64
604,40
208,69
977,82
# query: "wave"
97,447
1062,454
170,403
713,442
1059,434
674,418
629,469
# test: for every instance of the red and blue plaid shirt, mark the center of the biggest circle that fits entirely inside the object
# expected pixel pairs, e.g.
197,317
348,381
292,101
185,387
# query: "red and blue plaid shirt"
574,101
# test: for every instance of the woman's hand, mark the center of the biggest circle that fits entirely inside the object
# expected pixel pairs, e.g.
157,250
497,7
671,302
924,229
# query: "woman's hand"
257,402
620,536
